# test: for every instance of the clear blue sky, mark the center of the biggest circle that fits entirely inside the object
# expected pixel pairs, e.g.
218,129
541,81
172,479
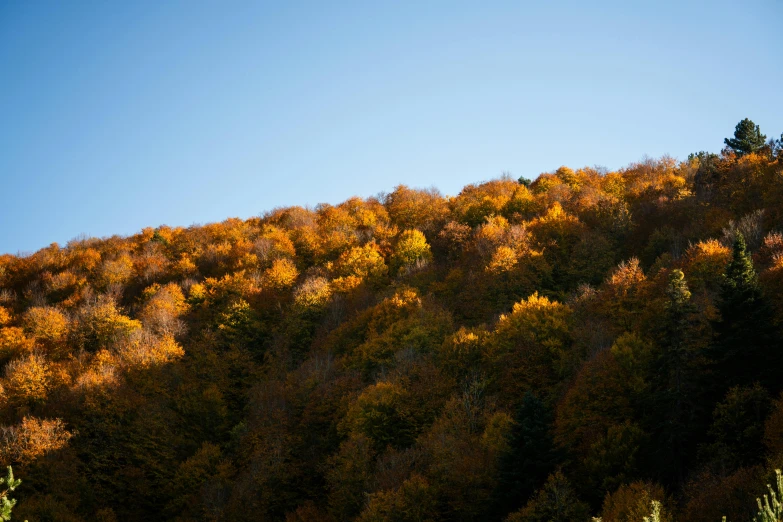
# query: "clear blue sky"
119,115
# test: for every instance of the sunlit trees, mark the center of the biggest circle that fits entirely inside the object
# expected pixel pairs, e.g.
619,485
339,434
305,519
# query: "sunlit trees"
411,248
28,381
588,343
163,308
531,347
101,324
32,438
46,324
7,503
281,275
359,264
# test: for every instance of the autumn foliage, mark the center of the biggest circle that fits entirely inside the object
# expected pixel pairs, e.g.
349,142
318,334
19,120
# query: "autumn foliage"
578,346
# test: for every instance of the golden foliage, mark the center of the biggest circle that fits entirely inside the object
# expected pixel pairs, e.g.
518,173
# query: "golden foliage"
27,380
281,275
165,304
313,293
411,248
116,271
5,316
101,373
14,342
32,439
364,262
144,351
102,324
46,323
503,260
705,261
416,209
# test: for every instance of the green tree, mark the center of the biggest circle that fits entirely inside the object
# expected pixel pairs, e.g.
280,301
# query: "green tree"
674,395
7,504
530,457
745,350
737,429
747,138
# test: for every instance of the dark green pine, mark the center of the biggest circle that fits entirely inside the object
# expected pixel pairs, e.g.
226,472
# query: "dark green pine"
747,138
746,349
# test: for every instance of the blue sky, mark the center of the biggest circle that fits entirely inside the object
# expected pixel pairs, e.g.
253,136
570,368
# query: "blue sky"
119,115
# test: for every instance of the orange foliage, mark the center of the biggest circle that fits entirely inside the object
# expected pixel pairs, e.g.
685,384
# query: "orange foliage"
5,316
13,342
705,262
145,351
32,439
163,307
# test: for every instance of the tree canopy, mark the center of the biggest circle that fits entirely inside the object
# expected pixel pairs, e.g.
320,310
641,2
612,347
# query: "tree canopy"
590,343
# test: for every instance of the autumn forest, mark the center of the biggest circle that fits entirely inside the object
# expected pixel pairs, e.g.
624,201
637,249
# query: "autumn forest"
571,346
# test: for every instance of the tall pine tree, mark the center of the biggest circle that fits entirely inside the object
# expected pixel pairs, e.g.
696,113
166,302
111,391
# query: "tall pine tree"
746,348
677,408
531,456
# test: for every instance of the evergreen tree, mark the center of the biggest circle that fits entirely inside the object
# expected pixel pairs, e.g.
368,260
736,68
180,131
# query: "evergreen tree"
745,349
6,503
531,456
747,138
674,396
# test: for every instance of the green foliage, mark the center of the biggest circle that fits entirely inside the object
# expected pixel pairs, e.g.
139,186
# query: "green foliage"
771,510
6,503
747,138
745,348
530,457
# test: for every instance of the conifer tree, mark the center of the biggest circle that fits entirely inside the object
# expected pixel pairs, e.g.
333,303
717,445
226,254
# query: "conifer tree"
6,503
747,138
531,456
675,394
745,350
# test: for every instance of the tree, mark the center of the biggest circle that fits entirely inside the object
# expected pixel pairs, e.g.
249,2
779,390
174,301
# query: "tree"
747,138
674,390
6,503
556,501
737,430
530,457
745,349
411,248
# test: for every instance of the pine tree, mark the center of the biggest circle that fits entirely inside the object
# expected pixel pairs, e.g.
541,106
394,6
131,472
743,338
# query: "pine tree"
745,350
6,503
747,138
674,396
531,456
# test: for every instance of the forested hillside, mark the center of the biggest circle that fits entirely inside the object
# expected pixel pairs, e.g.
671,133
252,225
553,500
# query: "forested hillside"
574,346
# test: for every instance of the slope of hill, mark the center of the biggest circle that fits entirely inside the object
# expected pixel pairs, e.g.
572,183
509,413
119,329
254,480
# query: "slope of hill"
575,346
